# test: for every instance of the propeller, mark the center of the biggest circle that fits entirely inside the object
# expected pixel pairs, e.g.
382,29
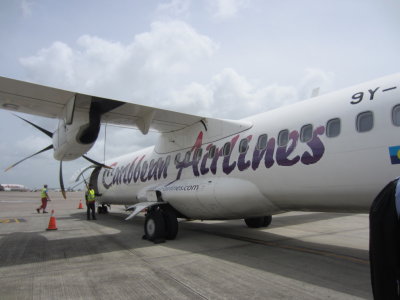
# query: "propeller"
96,163
18,162
46,132
49,134
62,182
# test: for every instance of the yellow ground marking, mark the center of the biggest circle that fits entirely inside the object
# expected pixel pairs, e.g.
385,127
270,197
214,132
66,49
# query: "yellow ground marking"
11,220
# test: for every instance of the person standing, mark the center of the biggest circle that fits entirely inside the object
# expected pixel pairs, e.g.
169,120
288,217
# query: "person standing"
45,197
90,202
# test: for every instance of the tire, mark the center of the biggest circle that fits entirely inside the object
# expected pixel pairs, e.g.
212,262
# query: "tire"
171,224
102,209
258,222
267,221
154,226
254,222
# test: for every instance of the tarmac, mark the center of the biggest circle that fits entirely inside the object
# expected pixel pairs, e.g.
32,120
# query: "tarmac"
300,256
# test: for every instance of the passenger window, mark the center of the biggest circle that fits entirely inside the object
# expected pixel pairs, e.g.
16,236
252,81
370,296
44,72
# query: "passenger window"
365,121
187,157
198,153
396,115
283,138
333,128
262,142
177,158
243,146
306,133
211,152
227,149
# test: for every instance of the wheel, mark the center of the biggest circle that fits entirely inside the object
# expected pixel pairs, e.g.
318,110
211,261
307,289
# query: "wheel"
171,224
103,209
154,226
258,222
267,221
254,222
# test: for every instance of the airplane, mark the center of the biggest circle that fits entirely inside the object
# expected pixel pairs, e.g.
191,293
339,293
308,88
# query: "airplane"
13,187
330,153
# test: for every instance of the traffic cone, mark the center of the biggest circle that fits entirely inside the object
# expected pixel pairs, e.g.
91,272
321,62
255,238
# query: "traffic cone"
80,205
52,222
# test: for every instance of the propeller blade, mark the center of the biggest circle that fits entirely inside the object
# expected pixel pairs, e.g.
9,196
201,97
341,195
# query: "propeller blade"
43,150
62,182
46,132
95,162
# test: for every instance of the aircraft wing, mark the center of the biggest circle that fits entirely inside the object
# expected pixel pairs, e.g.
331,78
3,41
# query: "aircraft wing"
25,97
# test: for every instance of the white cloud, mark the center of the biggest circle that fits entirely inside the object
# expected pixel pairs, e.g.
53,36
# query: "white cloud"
53,65
31,144
315,79
225,9
141,70
152,70
232,96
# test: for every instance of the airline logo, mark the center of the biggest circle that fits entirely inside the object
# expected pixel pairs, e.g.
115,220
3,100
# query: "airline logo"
394,153
142,169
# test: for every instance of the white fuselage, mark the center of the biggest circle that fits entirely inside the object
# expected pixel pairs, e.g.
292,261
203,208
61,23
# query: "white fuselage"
311,171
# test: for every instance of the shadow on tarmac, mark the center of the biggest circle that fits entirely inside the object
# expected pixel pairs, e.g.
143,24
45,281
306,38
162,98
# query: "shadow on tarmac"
292,260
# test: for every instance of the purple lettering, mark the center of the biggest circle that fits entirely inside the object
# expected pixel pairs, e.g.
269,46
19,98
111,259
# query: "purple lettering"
213,166
136,174
282,153
143,176
316,146
269,156
242,163
226,167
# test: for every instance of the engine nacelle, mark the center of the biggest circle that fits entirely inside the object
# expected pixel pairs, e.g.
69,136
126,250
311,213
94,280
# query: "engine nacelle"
76,136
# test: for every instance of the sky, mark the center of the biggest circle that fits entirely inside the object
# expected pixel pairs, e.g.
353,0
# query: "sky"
218,58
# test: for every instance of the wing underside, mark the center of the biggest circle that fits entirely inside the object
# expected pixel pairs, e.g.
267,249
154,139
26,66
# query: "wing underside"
25,97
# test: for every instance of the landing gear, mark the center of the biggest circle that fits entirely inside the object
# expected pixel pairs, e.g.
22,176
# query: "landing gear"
258,222
171,224
154,226
103,209
161,223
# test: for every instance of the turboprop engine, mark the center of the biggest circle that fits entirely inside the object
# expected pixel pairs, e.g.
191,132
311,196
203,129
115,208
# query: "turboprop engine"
76,133
71,141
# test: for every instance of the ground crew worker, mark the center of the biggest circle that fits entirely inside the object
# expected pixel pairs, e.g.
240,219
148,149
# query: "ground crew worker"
45,197
90,202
